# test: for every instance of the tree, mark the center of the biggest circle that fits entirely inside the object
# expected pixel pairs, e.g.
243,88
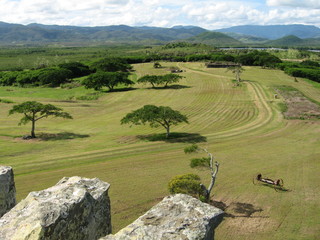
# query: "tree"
156,80
237,70
170,78
152,79
155,116
112,65
34,111
77,69
54,76
157,65
101,79
205,162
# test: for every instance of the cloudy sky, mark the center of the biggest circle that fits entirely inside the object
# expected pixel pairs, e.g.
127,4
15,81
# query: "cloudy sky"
209,14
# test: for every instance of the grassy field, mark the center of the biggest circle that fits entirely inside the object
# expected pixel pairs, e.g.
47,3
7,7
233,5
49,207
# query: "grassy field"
242,127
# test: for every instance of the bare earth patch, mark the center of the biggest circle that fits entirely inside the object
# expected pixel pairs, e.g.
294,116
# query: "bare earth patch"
245,218
298,106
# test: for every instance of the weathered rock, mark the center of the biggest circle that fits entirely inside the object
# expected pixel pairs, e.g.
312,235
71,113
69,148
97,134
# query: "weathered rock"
175,217
7,190
75,208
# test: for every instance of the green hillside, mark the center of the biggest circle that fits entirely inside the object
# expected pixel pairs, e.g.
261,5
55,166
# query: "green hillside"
215,39
293,41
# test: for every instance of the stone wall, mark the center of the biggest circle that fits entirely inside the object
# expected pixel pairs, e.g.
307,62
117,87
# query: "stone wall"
75,208
7,190
79,208
176,217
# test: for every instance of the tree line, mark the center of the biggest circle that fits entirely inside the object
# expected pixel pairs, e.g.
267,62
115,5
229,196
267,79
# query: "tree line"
306,69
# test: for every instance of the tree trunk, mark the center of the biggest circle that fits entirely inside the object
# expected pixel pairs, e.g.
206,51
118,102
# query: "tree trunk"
213,179
168,131
33,135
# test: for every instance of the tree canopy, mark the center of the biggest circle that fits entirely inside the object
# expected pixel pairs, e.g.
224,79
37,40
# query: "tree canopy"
34,111
157,80
101,79
77,69
112,65
155,117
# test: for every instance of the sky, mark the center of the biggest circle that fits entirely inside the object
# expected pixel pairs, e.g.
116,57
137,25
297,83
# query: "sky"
209,14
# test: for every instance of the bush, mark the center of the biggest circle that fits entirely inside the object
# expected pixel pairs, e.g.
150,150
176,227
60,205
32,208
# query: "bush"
54,76
8,78
258,58
200,162
187,184
309,63
312,74
77,69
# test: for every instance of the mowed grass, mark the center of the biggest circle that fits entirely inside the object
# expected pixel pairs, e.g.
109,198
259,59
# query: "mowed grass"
241,126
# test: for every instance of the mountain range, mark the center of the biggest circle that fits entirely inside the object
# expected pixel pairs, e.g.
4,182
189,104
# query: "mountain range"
273,32
290,35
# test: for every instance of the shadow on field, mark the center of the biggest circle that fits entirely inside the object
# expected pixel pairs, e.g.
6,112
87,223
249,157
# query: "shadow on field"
174,138
276,188
61,136
175,86
119,90
238,209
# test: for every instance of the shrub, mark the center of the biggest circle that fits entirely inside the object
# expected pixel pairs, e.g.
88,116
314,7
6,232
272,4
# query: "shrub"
8,78
200,162
187,184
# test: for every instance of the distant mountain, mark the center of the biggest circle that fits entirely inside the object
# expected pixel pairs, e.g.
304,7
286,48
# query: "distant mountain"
293,41
300,35
275,31
290,40
215,39
246,38
55,33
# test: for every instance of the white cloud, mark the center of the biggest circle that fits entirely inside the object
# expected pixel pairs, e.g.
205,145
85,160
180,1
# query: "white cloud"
211,14
294,3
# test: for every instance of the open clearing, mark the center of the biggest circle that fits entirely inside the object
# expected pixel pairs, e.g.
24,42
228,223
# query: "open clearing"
241,126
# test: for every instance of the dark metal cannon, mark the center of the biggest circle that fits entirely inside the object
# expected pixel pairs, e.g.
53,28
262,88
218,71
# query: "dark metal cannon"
277,184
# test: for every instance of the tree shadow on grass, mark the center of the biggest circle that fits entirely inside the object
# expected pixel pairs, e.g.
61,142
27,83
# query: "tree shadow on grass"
60,136
174,137
238,209
175,86
119,90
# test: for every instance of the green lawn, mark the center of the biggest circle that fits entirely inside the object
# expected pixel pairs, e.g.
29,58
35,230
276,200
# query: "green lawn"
242,127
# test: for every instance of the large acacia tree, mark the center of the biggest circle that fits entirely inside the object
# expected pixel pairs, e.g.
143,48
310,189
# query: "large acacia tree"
156,80
34,111
101,79
155,117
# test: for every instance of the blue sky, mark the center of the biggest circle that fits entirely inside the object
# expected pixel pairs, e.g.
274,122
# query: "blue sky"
213,14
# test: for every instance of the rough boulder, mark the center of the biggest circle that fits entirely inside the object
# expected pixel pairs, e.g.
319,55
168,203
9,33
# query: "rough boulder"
175,217
75,208
7,190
